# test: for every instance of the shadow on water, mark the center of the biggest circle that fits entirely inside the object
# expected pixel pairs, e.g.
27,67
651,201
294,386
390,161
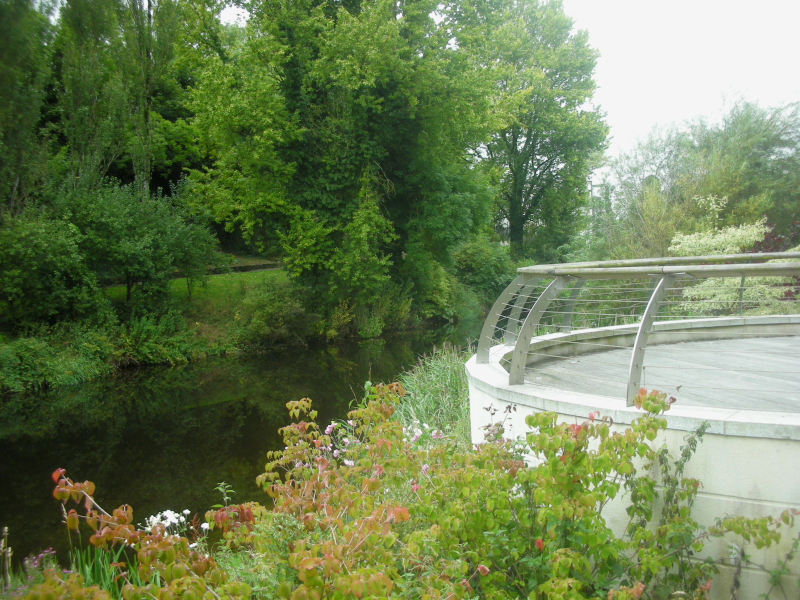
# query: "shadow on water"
164,437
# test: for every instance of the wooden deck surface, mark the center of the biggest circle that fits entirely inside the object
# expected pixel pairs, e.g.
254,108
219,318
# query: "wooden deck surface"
761,373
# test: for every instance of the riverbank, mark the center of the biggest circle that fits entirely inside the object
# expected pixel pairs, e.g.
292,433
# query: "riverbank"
195,322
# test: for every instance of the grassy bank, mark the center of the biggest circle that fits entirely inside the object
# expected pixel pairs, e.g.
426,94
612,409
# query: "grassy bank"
217,318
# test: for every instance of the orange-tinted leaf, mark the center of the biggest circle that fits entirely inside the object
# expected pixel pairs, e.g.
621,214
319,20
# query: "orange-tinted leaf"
72,520
401,514
57,474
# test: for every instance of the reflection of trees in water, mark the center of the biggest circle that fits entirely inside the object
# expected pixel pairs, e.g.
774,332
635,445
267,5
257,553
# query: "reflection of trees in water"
164,437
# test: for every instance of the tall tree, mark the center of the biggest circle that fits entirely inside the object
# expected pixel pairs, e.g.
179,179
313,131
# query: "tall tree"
25,54
149,29
753,157
545,151
334,117
705,175
93,97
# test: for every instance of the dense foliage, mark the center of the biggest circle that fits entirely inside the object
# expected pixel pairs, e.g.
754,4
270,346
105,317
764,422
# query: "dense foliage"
359,141
702,178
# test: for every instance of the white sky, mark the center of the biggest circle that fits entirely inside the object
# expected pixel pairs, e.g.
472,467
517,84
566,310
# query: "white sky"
664,62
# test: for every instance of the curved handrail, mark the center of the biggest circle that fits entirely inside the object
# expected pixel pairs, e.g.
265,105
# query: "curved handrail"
663,272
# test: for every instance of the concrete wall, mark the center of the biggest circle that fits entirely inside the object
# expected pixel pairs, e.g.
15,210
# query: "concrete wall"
748,462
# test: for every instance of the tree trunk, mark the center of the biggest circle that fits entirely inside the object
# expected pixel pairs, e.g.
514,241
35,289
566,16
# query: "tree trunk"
516,230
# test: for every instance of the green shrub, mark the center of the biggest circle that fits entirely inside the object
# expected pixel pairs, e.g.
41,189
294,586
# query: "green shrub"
43,273
58,356
154,339
271,313
71,353
386,515
485,267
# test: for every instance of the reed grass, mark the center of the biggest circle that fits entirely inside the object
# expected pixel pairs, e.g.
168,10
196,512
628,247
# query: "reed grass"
94,565
437,394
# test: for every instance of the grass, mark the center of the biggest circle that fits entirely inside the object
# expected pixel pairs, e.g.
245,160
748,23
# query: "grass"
94,565
437,394
218,289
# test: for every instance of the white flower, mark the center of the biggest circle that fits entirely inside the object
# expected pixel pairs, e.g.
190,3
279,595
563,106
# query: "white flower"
349,463
205,526
186,511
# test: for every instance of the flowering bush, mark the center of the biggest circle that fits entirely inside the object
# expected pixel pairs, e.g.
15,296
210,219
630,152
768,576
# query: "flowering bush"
385,514
167,565
362,510
172,522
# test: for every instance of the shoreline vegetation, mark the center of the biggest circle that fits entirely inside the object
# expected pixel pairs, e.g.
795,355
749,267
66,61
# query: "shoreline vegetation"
231,314
186,330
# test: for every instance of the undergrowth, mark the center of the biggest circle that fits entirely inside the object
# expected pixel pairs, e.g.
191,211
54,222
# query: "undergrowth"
226,316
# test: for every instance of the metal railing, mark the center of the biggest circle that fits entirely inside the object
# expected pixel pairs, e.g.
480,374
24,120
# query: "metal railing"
552,312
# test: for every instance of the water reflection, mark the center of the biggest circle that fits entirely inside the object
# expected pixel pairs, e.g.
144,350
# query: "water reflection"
159,438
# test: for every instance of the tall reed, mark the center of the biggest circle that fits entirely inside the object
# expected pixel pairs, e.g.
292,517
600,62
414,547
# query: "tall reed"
437,394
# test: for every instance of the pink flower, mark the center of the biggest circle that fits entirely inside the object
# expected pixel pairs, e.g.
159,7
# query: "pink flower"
415,487
329,429
483,570
540,544
425,469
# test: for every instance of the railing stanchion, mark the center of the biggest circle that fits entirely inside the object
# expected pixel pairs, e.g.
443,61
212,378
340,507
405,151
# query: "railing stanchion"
741,295
516,310
519,356
487,331
637,357
569,309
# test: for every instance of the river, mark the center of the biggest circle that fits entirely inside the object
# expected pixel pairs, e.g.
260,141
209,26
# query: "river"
163,437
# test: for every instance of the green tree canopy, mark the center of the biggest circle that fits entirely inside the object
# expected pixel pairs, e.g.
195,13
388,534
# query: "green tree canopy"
545,152
703,176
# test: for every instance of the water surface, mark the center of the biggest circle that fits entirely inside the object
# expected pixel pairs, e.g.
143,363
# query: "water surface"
163,437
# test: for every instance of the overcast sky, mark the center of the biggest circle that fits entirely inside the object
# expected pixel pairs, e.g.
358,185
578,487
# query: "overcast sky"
666,62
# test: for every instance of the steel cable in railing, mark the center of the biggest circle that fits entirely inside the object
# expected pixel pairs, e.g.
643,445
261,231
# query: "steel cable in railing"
558,307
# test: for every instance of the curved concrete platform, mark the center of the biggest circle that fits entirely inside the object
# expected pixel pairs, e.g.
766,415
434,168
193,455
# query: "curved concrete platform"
746,389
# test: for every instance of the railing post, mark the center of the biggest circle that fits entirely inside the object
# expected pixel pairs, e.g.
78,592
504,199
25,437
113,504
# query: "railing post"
637,358
516,310
741,295
569,309
519,357
487,331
